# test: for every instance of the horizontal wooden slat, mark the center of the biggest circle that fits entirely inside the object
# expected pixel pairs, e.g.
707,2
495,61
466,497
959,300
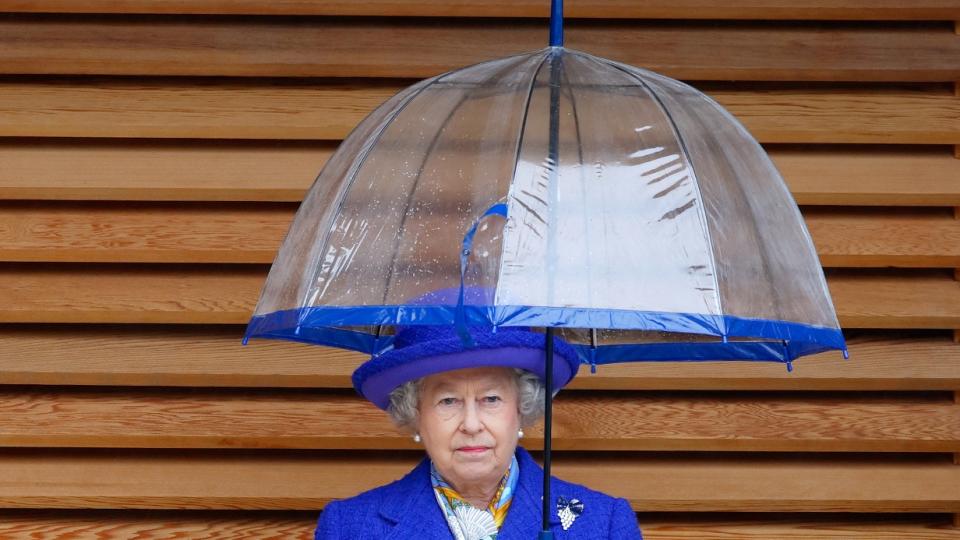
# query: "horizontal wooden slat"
897,239
146,525
129,524
255,171
89,293
884,176
210,357
302,110
40,232
161,170
669,9
881,300
227,295
279,47
303,481
143,233
288,419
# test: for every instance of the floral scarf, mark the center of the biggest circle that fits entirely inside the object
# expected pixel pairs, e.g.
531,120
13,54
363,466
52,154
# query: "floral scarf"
467,522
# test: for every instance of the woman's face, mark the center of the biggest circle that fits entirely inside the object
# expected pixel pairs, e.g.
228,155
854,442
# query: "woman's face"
468,423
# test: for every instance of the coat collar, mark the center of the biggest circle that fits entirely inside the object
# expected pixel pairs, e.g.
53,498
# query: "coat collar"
524,518
414,513
413,510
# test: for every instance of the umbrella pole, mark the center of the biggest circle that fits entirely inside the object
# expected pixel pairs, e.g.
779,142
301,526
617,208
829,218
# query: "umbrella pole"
556,40
556,23
545,533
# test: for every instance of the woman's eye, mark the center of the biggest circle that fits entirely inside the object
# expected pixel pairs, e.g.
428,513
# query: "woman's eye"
448,401
492,399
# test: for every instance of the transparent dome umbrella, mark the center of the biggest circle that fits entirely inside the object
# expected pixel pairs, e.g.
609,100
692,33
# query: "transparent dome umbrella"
624,211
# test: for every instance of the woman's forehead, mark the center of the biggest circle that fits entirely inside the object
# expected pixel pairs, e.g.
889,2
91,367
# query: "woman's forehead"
484,377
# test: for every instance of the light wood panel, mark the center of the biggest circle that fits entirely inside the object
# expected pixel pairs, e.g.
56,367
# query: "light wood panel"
211,357
279,47
227,295
183,233
127,232
884,176
676,9
884,300
90,294
885,238
114,418
130,524
299,525
301,110
202,109
306,481
158,170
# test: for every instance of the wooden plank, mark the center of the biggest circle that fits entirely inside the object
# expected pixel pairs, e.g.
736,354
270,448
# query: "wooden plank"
860,176
299,525
106,232
333,421
408,48
143,232
161,170
208,480
667,9
849,116
884,300
90,293
904,238
297,110
227,295
210,357
146,525
197,109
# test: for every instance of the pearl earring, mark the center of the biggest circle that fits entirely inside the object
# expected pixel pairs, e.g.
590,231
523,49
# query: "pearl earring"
416,438
519,433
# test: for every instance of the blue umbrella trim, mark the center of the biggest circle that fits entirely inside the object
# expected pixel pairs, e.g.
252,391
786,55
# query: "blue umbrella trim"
325,326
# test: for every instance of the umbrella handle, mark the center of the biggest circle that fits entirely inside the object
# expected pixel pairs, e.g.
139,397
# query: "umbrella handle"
545,533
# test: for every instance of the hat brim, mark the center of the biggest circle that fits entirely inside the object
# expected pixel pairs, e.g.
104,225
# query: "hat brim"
379,376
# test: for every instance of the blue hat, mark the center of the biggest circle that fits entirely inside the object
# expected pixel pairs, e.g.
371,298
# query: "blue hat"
424,350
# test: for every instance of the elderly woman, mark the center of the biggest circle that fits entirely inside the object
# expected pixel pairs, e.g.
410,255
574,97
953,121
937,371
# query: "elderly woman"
468,406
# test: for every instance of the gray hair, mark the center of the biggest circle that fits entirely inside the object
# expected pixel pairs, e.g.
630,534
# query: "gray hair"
405,400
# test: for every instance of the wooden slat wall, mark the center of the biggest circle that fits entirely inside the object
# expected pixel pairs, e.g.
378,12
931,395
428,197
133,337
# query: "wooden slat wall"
151,157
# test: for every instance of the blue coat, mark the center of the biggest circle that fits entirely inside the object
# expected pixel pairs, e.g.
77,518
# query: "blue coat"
407,509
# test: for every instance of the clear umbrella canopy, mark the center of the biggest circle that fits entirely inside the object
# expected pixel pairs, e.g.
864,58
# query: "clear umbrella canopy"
554,189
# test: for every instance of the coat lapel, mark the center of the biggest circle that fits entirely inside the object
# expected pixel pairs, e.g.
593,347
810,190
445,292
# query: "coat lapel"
413,510
523,521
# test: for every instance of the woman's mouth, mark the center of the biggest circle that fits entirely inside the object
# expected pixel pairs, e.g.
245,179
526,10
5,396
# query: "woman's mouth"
473,449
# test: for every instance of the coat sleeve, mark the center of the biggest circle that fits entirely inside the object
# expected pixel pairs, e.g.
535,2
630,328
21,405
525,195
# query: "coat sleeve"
329,526
623,522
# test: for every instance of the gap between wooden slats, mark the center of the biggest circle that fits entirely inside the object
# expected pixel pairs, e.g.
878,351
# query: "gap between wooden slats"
416,48
303,110
206,356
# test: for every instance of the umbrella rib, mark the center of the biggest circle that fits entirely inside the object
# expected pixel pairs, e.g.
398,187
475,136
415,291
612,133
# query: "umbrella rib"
416,182
583,184
358,163
516,153
693,171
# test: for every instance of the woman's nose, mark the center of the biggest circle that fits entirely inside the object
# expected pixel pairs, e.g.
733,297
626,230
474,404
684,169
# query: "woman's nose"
471,418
